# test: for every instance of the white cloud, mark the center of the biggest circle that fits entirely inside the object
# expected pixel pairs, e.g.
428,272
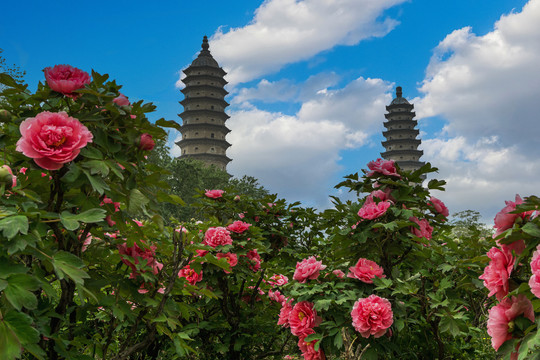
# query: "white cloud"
287,31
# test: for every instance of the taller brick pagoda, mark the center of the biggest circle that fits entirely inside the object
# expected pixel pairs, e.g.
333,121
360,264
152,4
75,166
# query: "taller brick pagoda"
203,119
401,143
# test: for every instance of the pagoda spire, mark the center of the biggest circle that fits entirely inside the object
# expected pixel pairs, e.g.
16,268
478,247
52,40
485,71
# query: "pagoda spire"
203,119
401,143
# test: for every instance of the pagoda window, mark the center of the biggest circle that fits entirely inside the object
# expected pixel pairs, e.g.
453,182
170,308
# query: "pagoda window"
196,134
212,120
184,152
212,135
196,149
197,105
212,107
198,82
212,150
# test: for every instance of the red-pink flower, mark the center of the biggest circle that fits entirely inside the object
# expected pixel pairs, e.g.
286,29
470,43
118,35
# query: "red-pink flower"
232,259
308,269
52,139
238,226
276,296
372,316
146,142
303,318
384,167
7,177
500,322
133,255
66,79
497,272
425,229
381,195
255,260
214,194
121,100
284,313
504,220
278,280
308,350
439,206
534,281
371,210
190,275
365,270
340,274
217,236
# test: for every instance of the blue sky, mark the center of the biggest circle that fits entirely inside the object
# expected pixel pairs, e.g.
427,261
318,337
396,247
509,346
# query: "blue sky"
309,80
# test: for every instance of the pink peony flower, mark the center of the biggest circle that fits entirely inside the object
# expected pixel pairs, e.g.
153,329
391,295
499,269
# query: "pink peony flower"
382,195
340,274
52,139
276,296
384,167
534,281
372,316
121,100
66,79
497,272
216,236
516,246
201,253
255,260
134,254
284,313
439,206
303,318
308,269
365,270
146,142
504,221
308,350
501,316
238,226
278,280
425,230
232,259
214,194
370,210
190,275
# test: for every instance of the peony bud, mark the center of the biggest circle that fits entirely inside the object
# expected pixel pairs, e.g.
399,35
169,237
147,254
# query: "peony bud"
146,142
5,116
6,176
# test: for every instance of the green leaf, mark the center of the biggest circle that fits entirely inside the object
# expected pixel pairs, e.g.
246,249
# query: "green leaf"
68,264
531,229
338,340
19,291
169,124
12,225
137,201
97,167
312,337
97,183
91,153
448,324
71,221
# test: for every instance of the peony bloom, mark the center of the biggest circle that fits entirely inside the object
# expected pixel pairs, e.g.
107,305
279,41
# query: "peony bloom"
284,313
216,236
7,177
372,316
134,254
340,274
497,272
52,139
277,296
384,167
382,195
534,281
439,206
504,221
500,323
308,350
365,270
238,226
232,259
425,230
190,275
308,269
121,100
66,79
255,260
214,194
370,210
278,280
303,318
146,142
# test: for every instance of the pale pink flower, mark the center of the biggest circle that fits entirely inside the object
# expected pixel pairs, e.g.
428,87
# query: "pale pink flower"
365,270
382,195
7,177
372,316
439,206
501,316
217,236
425,229
232,259
497,272
308,350
284,313
52,139
121,100
308,269
534,281
384,167
255,260
214,194
190,275
66,79
340,274
371,210
504,220
278,280
276,296
238,226
303,318
146,142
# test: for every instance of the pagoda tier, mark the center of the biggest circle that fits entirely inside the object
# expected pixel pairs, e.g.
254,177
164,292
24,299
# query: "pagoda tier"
203,119
401,143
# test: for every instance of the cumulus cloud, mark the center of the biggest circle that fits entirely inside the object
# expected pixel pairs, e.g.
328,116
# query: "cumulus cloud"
298,155
287,31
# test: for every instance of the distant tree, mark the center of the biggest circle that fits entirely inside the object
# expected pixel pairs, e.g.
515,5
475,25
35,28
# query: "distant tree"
13,70
467,224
